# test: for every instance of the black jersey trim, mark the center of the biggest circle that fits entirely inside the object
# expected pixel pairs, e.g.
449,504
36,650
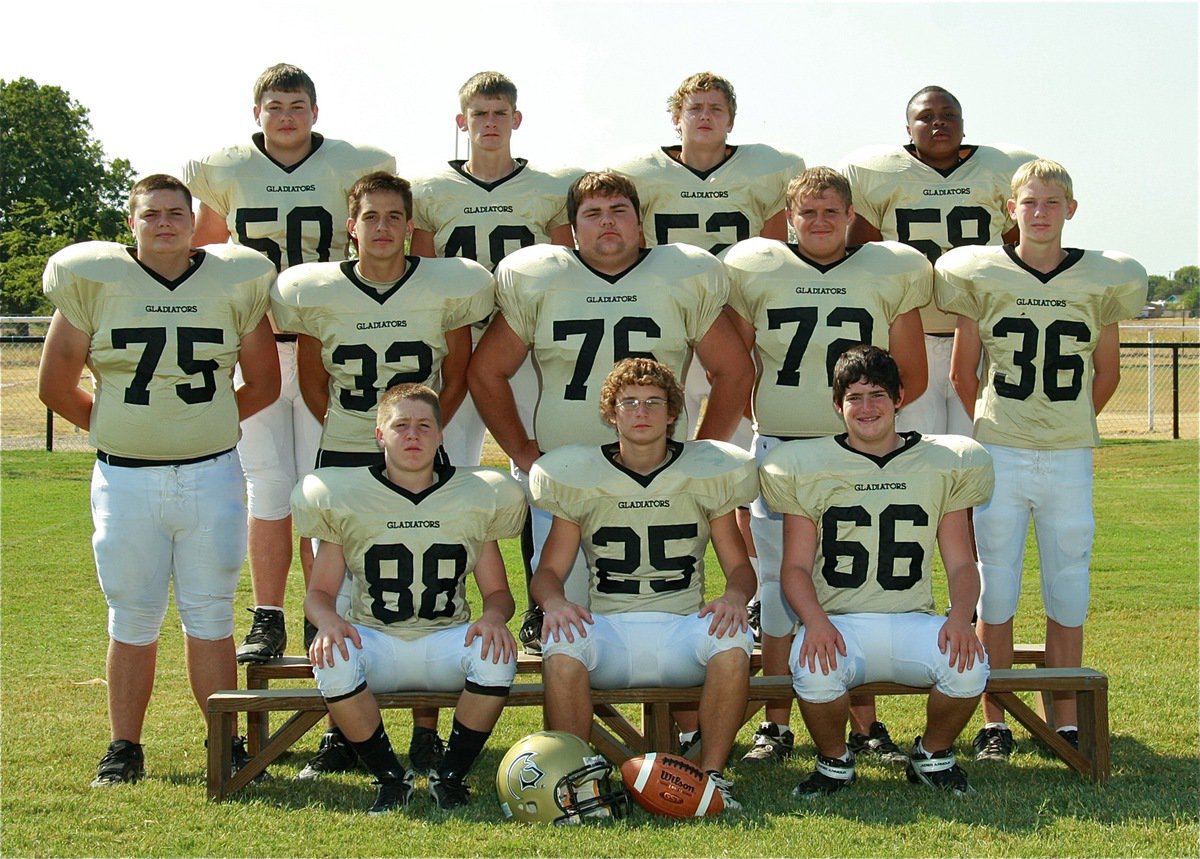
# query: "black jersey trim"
371,292
260,143
348,458
460,167
970,150
195,260
134,462
910,441
824,268
1073,256
443,473
613,278
610,451
675,153
490,691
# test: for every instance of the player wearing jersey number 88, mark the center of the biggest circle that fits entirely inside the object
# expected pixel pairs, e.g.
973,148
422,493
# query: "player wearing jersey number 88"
409,532
1046,316
861,514
161,328
643,509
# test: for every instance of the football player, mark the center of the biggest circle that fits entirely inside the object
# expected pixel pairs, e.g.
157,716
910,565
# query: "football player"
643,508
160,327
934,193
483,208
861,513
798,307
283,194
410,530
1046,319
365,325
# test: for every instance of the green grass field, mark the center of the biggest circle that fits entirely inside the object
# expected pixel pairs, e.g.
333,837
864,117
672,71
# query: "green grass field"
1142,632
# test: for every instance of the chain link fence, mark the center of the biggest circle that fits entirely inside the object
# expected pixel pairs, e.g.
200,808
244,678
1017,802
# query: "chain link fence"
1159,394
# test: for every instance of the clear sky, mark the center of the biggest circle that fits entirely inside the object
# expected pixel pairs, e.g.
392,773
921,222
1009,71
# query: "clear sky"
1109,89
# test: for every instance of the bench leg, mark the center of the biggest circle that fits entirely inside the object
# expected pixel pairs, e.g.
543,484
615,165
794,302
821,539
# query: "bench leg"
258,723
1073,757
1094,741
220,754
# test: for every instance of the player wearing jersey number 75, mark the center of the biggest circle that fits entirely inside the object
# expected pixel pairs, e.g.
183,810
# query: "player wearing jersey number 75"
161,327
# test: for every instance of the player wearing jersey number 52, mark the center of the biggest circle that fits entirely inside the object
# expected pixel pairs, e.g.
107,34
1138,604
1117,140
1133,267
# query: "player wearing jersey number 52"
643,509
161,327
861,513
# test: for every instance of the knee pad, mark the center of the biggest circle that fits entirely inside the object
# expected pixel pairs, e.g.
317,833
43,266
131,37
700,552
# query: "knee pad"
485,673
136,625
343,676
818,688
777,617
269,493
998,595
1066,595
208,618
966,684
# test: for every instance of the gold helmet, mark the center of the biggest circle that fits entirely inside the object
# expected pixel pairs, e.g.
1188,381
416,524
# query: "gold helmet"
555,777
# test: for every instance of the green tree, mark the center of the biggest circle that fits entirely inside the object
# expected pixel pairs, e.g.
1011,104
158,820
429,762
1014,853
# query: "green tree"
55,188
1160,287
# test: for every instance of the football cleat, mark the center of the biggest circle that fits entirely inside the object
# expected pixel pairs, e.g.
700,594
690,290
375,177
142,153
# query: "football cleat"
724,787
241,757
830,776
754,618
530,633
1071,735
771,745
266,639
993,744
448,791
425,752
123,763
393,791
937,769
687,745
334,755
877,742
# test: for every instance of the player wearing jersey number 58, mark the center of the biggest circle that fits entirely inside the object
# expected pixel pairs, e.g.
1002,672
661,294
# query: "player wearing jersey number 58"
861,513
643,509
282,193
410,531
161,327
1046,317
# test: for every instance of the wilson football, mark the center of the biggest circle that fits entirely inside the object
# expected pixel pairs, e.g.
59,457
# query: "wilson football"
671,786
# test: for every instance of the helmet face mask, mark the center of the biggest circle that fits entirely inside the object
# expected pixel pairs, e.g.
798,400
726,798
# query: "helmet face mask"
555,777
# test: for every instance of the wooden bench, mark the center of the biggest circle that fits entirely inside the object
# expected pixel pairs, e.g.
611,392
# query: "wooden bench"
618,739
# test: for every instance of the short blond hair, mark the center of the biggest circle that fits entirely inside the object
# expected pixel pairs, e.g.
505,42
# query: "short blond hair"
639,371
815,181
487,85
398,394
702,82
1045,170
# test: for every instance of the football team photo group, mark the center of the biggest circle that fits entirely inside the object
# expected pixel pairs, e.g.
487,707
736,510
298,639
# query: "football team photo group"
762,419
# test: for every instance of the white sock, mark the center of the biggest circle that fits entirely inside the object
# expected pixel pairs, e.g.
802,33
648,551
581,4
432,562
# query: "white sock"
1002,725
687,737
1066,728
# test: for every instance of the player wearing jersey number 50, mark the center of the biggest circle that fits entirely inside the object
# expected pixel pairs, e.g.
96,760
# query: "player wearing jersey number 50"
410,532
1046,317
161,328
282,193
643,509
861,513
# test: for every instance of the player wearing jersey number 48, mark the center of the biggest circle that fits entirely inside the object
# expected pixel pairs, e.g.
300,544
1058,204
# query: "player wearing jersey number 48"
862,512
161,327
1046,318
643,509
410,532
282,193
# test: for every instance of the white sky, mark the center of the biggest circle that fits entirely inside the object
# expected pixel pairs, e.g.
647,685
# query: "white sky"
1109,89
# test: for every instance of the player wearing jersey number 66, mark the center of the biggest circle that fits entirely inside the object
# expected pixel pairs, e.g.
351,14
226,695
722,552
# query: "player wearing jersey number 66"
161,328
643,509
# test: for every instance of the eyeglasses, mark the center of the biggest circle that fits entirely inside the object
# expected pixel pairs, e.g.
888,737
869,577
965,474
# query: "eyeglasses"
630,404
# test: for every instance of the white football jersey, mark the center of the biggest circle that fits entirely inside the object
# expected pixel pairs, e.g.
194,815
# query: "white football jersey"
1038,332
371,340
644,536
409,553
578,323
162,352
935,210
711,209
291,214
486,221
877,517
805,315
